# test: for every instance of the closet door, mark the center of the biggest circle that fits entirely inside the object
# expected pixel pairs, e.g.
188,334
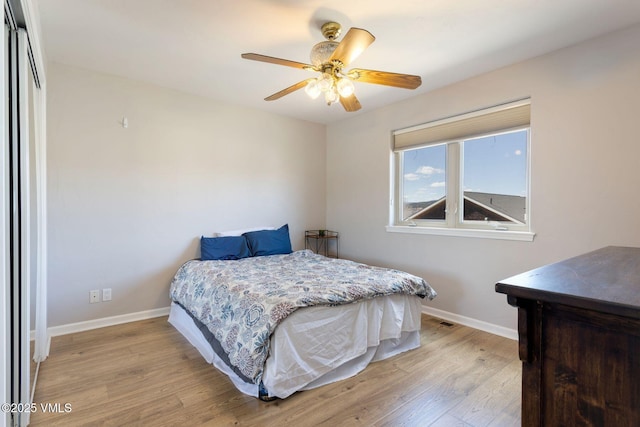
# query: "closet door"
5,306
22,210
16,196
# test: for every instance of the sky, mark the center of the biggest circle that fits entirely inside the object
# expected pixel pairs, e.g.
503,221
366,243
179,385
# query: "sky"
494,164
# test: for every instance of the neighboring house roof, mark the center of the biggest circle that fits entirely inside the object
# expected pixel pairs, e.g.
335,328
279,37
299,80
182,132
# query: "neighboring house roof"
511,207
480,206
434,209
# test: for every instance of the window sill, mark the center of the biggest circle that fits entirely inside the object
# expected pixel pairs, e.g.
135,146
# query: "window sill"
525,236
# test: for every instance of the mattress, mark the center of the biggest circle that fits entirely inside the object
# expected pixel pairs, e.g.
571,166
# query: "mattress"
318,345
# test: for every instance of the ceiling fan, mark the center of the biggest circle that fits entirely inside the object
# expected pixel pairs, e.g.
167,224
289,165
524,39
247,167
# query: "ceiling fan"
329,58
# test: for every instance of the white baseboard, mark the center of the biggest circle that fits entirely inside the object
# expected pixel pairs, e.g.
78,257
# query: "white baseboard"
472,323
71,328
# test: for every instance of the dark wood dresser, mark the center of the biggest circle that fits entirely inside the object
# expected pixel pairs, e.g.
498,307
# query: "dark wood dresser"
579,339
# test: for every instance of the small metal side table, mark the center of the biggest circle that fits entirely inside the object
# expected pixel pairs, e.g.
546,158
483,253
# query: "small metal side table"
323,242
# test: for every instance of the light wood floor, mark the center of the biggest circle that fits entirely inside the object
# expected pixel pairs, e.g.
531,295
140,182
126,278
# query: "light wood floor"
146,374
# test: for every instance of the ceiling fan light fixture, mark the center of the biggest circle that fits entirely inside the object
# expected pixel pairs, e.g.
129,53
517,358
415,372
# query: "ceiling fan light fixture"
331,96
345,87
321,52
325,82
312,89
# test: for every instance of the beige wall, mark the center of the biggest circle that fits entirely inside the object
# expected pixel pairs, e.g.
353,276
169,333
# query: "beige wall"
585,165
127,206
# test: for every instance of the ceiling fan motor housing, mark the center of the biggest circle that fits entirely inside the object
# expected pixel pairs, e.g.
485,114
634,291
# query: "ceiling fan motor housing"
321,52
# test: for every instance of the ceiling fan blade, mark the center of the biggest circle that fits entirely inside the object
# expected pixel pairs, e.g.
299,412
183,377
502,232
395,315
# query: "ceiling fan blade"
352,45
405,81
350,103
287,91
277,61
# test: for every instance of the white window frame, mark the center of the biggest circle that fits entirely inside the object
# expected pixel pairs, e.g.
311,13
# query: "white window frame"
454,224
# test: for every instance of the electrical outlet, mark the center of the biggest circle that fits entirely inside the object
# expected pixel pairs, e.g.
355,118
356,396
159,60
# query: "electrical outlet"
106,294
94,296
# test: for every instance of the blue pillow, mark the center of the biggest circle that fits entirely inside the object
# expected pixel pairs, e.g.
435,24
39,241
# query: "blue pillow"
223,248
269,242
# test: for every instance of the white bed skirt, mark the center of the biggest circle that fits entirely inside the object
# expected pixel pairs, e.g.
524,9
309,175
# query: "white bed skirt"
315,346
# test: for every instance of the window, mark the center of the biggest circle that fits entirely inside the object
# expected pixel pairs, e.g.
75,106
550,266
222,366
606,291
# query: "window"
467,175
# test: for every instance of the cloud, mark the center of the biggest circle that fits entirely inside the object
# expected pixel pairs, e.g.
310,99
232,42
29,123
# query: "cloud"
518,152
428,170
438,184
411,177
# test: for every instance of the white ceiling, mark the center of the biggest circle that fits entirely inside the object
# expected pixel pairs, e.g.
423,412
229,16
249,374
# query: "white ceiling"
195,45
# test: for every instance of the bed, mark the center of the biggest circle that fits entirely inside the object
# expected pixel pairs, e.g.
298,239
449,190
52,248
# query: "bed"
277,321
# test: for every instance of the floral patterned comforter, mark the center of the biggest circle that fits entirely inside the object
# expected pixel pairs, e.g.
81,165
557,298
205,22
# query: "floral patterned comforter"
242,301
